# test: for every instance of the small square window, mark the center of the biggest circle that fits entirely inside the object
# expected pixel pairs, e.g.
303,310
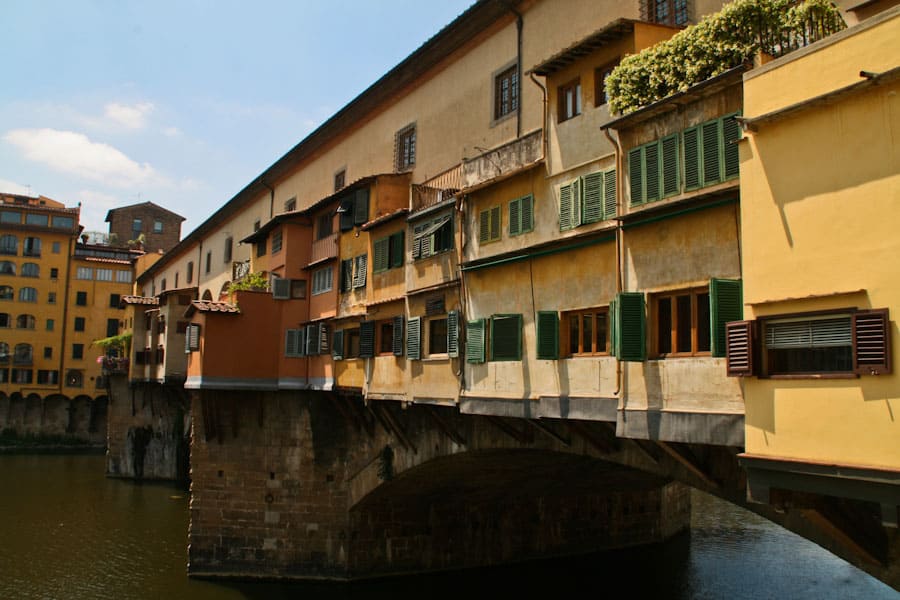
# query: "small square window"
340,179
79,323
48,352
157,226
55,248
81,298
290,205
77,351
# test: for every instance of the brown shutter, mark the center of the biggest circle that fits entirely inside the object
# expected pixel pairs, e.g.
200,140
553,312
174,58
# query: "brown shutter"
739,348
872,342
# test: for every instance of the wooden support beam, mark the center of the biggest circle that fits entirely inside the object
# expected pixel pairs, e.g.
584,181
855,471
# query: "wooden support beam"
342,407
599,440
398,430
445,427
688,462
847,538
520,436
545,428
648,449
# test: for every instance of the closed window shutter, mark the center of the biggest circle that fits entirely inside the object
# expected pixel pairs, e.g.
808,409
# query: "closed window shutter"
631,327
731,133
495,223
613,329
506,337
312,347
592,184
193,335
346,275
691,138
670,170
361,207
396,251
187,342
652,172
323,338
484,226
359,275
453,334
527,207
397,341
711,146
337,345
565,207
413,343
281,288
609,194
380,251
346,212
475,341
367,339
293,343
726,304
739,348
547,335
515,217
872,342
635,176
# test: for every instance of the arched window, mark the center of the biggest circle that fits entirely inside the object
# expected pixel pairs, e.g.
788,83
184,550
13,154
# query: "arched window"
23,354
31,270
27,294
9,244
5,320
74,378
6,292
4,352
7,268
25,322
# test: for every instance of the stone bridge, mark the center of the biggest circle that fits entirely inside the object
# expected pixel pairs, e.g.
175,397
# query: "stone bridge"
316,485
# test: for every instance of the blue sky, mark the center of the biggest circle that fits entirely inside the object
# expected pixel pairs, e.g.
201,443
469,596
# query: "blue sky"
111,102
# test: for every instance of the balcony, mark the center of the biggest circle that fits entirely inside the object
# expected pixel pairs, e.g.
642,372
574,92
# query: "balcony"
502,160
323,249
437,189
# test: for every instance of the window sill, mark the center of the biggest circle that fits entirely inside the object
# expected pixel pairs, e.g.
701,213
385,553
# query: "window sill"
812,376
436,358
681,355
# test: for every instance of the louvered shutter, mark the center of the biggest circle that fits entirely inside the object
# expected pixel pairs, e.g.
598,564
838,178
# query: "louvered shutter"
495,223
417,242
731,133
739,348
670,170
475,341
413,341
367,339
192,335
360,268
565,207
635,176
453,334
613,328
312,347
397,341
527,207
872,342
631,326
506,337
346,212
396,250
691,140
726,304
652,172
187,343
361,206
281,288
323,338
711,146
434,305
293,342
609,194
592,184
380,255
515,217
548,335
337,345
484,226
346,275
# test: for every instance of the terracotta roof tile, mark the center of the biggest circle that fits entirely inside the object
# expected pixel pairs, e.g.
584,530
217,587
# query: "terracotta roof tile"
210,307
139,300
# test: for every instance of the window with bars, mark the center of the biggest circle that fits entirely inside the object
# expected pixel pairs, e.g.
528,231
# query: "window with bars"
489,223
405,149
588,199
506,92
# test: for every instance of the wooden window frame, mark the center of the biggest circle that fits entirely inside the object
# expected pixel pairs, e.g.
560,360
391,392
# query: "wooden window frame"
694,294
600,75
384,336
566,332
563,112
405,148
429,336
340,180
506,92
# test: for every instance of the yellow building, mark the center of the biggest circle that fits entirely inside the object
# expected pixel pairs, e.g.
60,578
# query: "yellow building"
820,212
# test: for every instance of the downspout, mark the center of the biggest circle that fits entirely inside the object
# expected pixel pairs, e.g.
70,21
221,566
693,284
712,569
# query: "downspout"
199,270
546,116
65,324
463,297
619,257
271,198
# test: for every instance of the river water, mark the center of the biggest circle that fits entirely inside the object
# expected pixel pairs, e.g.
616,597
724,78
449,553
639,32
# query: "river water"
67,532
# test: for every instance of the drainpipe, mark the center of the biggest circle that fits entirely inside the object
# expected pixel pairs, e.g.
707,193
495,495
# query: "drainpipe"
619,253
271,198
546,118
64,324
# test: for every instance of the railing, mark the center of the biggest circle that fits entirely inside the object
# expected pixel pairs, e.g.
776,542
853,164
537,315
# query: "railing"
327,247
503,159
448,180
239,270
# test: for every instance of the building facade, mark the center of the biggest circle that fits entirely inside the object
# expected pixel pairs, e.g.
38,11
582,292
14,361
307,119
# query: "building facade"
156,228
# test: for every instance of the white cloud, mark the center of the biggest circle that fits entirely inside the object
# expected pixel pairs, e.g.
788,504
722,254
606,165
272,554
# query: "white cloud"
128,116
171,132
74,153
11,187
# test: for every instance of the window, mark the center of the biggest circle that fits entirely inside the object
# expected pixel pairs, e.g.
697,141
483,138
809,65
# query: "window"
50,324
25,322
290,205
9,244
36,219
51,297
190,271
48,352
260,248
23,354
346,275
104,275
680,323
22,375
54,273
437,336
354,209
586,332
7,268
385,331
79,323
84,273
176,279
298,288
324,226
74,378
226,256
55,248
489,225
157,226
5,320
388,252
10,216
256,225
27,294
81,298
48,377
569,97
162,285
506,92
405,149
521,215
665,12
31,270
208,260
360,265
114,300
433,237
4,352
340,179
123,276
322,280
4,375
112,327
276,241
294,343
600,75
136,226
6,292
442,334
63,223
77,351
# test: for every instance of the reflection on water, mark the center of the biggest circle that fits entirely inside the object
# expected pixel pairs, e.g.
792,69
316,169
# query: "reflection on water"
67,532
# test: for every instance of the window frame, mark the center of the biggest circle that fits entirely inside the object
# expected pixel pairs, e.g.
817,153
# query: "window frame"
600,75
433,236
809,317
520,215
490,224
405,148
494,338
506,92
694,293
566,332
565,111
323,280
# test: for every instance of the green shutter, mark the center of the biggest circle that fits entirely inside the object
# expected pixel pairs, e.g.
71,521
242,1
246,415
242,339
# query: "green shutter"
631,327
506,337
613,328
381,250
413,343
367,339
311,347
691,139
361,207
609,194
396,250
711,149
726,303
495,223
346,212
652,168
484,226
515,217
592,184
337,345
397,341
527,204
548,335
346,275
453,333
475,341
565,207
417,241
635,176
293,342
670,170
731,133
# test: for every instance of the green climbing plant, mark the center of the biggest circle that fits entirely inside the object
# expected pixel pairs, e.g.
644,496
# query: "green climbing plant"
252,281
